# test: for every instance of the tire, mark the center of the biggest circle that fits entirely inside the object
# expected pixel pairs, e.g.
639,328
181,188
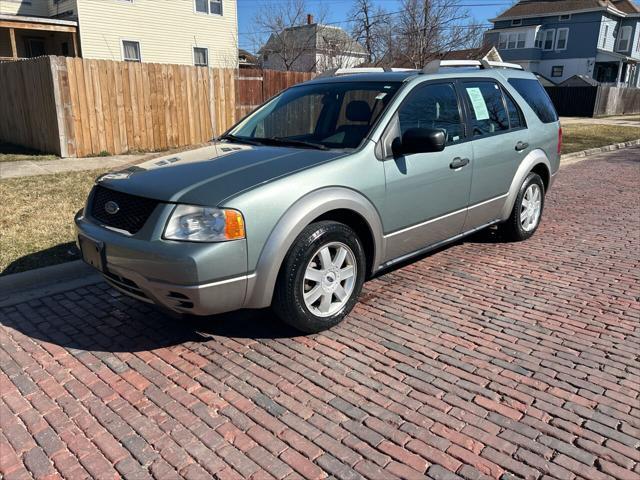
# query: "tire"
523,222
337,282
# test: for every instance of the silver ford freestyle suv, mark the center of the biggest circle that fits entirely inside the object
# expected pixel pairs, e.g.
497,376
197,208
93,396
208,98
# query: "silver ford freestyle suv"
323,186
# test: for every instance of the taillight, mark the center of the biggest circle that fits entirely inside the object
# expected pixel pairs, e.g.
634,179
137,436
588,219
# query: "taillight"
559,140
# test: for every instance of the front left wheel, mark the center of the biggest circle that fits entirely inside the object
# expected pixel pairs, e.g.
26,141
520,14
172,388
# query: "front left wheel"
321,277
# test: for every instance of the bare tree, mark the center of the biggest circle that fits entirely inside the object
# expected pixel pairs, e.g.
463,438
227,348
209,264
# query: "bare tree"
370,28
427,29
288,47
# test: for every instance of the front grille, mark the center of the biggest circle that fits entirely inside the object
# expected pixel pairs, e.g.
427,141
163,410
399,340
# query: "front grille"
132,211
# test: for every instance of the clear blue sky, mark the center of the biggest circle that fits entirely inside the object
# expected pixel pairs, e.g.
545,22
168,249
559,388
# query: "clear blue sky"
338,11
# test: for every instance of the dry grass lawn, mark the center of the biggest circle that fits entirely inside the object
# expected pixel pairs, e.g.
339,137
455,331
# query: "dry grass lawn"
582,136
15,153
36,219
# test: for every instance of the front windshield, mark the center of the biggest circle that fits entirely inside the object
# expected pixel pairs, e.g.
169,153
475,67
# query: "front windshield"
320,115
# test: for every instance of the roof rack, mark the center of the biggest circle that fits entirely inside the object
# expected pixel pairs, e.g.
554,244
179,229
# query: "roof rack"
435,65
354,70
431,67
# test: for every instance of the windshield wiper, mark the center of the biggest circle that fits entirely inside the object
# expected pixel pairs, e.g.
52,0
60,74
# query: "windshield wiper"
233,138
292,142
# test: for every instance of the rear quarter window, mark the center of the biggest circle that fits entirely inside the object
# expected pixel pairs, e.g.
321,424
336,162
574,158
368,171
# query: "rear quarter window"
535,95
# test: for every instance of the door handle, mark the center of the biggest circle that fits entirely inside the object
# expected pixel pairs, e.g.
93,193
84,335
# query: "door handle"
521,146
458,163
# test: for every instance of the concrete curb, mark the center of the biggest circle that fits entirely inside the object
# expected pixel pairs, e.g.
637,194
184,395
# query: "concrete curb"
575,157
40,282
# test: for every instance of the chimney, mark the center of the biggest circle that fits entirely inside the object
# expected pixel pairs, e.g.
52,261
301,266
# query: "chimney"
309,19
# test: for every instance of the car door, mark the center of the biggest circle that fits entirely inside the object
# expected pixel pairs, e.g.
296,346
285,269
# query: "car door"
500,141
426,193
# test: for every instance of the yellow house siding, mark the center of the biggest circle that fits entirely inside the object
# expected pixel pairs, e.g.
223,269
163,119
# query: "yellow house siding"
167,30
38,8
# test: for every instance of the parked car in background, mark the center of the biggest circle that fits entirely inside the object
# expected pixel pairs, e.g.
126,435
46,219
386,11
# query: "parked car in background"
325,185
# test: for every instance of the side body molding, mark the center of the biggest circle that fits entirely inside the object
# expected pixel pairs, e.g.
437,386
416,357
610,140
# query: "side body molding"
534,158
260,287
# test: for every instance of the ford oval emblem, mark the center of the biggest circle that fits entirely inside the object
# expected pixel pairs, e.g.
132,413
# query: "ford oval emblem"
111,207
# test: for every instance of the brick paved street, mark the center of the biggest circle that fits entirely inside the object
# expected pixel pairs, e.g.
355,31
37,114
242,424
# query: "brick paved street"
484,360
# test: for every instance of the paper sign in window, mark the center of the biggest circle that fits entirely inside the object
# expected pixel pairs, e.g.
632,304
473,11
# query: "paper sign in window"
478,103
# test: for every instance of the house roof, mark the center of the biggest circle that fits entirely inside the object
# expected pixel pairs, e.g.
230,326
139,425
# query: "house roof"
580,81
544,81
246,57
43,20
315,35
469,53
530,8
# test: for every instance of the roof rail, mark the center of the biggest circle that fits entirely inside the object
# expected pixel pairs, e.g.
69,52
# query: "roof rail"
354,70
435,65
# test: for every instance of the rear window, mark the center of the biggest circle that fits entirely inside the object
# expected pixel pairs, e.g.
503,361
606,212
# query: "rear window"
536,97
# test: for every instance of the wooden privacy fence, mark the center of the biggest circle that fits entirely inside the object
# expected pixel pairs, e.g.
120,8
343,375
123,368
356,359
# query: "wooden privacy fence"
76,107
256,86
594,101
28,114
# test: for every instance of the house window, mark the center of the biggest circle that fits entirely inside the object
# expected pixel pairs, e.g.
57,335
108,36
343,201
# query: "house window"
549,36
200,57
502,43
624,38
557,71
564,18
512,41
516,22
538,42
604,37
521,40
562,38
210,7
131,51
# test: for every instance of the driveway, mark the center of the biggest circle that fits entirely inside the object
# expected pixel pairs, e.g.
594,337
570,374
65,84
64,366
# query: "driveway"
487,359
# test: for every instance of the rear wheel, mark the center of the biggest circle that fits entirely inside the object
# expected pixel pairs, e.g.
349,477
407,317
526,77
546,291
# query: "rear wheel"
321,277
527,209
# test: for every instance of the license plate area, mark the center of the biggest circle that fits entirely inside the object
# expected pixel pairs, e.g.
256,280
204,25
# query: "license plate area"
92,253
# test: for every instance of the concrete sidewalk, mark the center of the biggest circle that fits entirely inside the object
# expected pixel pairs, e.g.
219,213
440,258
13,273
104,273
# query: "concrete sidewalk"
47,167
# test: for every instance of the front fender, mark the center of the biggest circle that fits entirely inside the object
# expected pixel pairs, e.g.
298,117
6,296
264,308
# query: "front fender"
528,163
295,219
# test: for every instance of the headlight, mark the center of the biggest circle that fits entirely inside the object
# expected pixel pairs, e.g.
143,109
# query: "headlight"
202,224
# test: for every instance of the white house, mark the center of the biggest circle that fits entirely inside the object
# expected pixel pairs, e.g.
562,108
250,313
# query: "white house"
312,47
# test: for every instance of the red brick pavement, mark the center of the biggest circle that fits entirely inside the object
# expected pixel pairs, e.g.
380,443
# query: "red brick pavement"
485,360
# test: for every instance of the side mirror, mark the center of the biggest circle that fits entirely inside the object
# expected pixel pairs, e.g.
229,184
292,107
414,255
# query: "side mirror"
420,140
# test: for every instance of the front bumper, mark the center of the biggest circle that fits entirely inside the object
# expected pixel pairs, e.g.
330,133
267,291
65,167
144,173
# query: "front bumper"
185,277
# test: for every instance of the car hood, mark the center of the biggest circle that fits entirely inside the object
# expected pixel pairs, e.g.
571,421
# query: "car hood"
209,175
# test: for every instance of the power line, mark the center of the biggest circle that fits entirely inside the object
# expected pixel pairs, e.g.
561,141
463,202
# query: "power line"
381,15
475,25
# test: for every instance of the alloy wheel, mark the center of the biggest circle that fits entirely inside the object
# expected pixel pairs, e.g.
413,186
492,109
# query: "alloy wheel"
531,207
329,279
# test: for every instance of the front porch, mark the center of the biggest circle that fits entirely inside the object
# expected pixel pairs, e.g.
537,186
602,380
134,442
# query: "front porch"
27,37
617,70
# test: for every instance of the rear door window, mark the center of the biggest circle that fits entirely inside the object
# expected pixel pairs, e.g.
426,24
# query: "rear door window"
487,108
537,98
